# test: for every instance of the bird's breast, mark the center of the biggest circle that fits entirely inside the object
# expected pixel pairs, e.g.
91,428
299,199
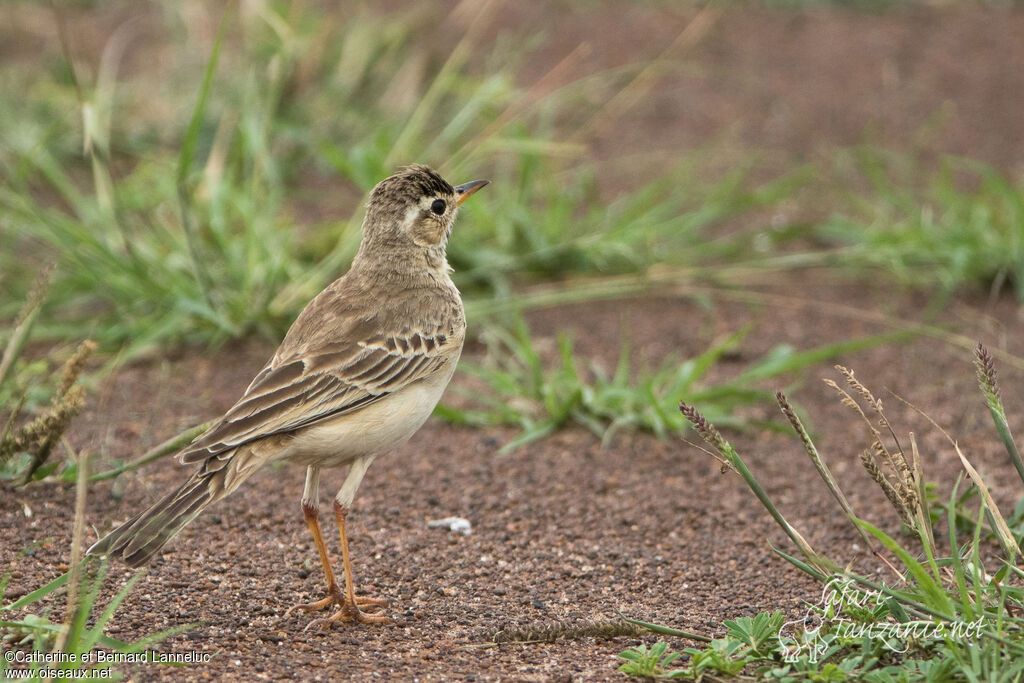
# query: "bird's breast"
374,430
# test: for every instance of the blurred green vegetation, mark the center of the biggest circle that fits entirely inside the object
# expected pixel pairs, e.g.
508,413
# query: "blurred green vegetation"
210,196
232,226
961,225
207,187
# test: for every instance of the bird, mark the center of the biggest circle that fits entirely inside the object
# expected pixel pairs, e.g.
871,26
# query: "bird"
357,374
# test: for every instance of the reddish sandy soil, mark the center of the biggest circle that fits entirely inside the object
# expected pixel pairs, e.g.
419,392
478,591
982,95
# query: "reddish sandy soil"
564,530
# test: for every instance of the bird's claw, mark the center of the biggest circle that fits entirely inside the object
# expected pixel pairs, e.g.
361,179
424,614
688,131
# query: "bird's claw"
348,611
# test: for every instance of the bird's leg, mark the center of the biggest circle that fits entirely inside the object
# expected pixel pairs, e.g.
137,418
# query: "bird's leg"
350,607
346,600
342,504
311,513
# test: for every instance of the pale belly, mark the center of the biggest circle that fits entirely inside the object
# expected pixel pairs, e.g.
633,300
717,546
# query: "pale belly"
374,430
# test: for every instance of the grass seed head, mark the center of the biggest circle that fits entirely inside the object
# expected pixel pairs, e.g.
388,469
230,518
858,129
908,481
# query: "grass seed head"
986,366
36,294
707,430
74,366
867,458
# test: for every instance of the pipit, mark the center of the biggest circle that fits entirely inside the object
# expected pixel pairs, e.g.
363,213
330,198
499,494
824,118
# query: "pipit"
357,374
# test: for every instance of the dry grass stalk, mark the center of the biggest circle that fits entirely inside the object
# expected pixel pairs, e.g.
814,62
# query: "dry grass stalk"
995,518
38,436
819,464
714,438
902,489
77,534
899,465
635,90
867,458
549,633
26,317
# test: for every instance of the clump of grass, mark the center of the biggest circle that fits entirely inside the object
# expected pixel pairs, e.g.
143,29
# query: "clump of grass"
173,248
60,649
199,240
36,409
543,221
963,228
867,627
540,397
903,482
27,444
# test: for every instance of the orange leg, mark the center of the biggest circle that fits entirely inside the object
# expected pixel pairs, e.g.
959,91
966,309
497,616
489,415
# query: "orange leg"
350,606
349,603
312,517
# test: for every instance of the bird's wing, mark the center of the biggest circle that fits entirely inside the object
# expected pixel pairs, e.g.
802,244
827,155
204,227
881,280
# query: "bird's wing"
335,379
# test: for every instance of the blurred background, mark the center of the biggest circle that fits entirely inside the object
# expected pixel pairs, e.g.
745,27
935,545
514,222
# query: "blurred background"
196,170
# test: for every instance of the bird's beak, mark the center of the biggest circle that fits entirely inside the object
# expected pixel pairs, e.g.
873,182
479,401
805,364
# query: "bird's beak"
462,192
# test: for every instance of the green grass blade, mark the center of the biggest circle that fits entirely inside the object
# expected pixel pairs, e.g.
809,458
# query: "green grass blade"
988,381
92,636
782,361
186,159
666,630
40,593
938,599
86,600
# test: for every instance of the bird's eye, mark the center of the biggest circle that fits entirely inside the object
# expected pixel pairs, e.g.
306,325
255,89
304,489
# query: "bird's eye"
438,206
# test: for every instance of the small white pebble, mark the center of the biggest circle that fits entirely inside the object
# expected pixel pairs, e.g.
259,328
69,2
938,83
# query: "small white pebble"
460,524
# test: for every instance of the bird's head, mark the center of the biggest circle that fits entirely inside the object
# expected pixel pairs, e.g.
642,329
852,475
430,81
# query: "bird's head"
416,206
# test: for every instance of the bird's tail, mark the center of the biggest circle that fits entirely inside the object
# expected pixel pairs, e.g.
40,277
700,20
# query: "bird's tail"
136,541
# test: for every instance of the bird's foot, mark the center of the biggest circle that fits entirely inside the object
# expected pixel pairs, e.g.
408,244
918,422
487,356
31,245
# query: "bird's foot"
353,613
350,611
